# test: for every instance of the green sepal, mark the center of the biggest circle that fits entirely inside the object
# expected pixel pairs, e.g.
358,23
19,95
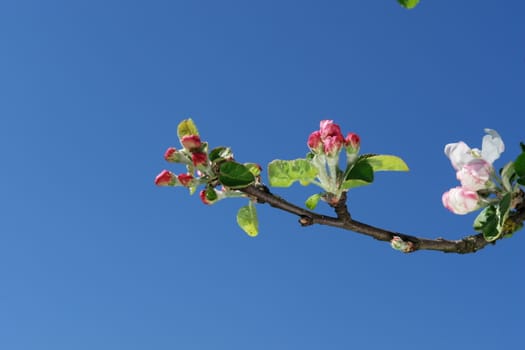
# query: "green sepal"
283,173
186,127
312,201
386,162
408,4
487,223
247,219
220,153
235,175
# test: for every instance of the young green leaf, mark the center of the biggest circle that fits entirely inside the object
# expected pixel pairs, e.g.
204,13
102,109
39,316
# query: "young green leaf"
408,4
221,152
312,201
507,176
283,173
235,175
254,168
503,210
247,219
487,223
385,162
186,127
519,165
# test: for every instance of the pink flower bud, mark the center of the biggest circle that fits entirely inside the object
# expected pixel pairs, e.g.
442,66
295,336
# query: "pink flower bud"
460,200
185,179
199,158
191,142
328,128
333,144
475,174
171,154
314,142
352,142
165,178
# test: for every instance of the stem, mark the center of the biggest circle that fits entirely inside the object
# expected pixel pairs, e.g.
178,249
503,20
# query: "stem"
343,220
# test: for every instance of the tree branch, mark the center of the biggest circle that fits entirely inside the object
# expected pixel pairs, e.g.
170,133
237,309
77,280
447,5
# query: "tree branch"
343,220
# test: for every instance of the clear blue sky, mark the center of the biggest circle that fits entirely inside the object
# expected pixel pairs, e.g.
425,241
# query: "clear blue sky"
94,256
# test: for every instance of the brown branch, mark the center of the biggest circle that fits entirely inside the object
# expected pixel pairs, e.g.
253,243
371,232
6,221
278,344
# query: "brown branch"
343,220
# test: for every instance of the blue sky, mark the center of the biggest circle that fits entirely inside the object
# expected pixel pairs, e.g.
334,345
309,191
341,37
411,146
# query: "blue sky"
94,256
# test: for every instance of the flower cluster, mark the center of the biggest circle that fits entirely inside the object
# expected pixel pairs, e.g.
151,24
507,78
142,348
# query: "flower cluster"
201,168
326,145
475,172
330,141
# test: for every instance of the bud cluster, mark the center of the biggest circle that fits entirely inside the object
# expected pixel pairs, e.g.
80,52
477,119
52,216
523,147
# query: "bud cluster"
200,169
326,145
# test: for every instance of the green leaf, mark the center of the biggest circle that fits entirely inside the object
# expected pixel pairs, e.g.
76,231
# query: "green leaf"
247,219
487,223
254,168
521,181
283,173
507,176
503,210
220,153
360,174
235,175
408,4
519,165
522,145
312,201
186,127
385,162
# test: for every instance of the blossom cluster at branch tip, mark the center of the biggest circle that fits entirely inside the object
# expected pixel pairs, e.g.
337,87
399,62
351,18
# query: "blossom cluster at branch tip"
329,140
474,170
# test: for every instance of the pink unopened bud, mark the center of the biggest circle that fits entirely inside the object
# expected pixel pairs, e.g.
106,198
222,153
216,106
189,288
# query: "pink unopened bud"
333,144
170,154
314,142
460,200
191,142
185,179
329,129
352,142
199,158
165,178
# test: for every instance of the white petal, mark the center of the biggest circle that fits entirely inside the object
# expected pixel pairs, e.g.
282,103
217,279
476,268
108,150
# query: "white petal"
459,154
492,146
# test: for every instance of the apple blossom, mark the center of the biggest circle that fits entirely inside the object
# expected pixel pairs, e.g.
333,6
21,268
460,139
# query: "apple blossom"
460,200
475,174
165,178
460,153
